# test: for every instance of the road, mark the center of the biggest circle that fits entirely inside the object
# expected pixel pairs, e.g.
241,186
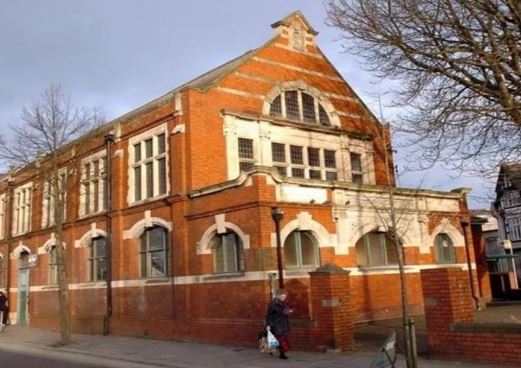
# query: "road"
16,360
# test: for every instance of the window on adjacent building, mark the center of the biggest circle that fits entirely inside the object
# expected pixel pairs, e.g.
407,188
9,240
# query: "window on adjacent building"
514,228
148,167
98,259
153,252
300,249
356,168
375,249
444,249
511,199
246,154
94,186
300,106
227,252
22,209
53,266
304,162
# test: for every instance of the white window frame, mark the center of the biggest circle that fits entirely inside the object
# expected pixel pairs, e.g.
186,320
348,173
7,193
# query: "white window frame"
87,200
514,228
48,201
154,159
22,209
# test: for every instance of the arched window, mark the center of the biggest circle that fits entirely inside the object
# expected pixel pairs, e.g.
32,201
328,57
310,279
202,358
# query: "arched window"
298,105
23,259
53,266
300,249
444,249
153,252
227,252
375,249
98,259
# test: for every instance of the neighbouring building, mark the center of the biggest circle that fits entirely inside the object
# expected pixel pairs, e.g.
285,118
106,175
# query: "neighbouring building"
195,175
507,208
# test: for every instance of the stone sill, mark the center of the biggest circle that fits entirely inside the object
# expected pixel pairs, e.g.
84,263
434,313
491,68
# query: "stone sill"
159,280
220,276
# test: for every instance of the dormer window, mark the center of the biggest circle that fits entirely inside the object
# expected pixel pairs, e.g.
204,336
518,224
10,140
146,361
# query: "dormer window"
300,106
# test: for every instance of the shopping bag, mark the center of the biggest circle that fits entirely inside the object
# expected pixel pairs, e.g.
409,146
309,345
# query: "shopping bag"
272,341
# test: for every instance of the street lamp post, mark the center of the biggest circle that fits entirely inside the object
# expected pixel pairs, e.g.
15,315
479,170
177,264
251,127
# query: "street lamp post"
277,215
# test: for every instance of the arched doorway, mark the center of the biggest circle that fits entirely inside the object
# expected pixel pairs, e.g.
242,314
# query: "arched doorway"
23,287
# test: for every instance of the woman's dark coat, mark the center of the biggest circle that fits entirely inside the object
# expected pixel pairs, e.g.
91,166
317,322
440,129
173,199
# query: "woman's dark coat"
277,317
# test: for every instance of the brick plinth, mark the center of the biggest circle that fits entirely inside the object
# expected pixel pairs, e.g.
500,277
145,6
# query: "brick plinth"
332,311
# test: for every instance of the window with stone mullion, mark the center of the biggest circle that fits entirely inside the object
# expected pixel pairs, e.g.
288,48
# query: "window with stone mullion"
149,168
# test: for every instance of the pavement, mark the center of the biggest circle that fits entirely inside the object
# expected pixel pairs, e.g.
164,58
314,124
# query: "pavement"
128,352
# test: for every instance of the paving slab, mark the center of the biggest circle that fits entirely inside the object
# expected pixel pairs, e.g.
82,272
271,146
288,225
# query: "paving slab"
128,352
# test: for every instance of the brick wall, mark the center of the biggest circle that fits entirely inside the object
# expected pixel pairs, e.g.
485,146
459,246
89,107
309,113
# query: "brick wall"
451,330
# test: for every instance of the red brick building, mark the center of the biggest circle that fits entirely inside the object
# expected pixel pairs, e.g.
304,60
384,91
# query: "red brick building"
195,174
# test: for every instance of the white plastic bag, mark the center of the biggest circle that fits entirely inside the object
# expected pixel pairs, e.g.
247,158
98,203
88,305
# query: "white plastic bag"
272,341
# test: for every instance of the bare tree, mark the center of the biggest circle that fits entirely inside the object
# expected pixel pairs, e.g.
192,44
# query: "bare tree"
459,67
45,144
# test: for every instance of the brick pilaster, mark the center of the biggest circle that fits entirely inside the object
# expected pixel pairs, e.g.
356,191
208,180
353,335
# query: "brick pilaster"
332,309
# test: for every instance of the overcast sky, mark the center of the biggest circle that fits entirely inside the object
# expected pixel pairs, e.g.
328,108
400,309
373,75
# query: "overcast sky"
119,54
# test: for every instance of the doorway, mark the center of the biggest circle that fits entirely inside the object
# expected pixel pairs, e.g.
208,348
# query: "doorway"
23,288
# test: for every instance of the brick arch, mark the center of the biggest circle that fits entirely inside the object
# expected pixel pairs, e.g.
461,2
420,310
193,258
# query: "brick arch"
446,227
85,240
47,246
139,227
368,227
15,254
304,87
203,245
304,222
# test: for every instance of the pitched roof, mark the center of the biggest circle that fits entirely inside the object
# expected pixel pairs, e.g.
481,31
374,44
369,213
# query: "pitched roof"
512,172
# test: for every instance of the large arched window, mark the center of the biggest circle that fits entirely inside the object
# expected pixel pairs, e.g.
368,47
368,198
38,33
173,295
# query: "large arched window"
300,249
153,252
298,105
375,249
98,259
227,252
444,249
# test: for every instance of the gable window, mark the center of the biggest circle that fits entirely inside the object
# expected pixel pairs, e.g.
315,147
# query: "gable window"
246,156
304,162
98,259
153,252
148,172
53,266
22,209
93,186
300,106
227,252
300,249
375,249
444,249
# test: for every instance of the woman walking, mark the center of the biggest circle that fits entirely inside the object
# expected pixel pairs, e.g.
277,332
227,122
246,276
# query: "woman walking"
277,319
